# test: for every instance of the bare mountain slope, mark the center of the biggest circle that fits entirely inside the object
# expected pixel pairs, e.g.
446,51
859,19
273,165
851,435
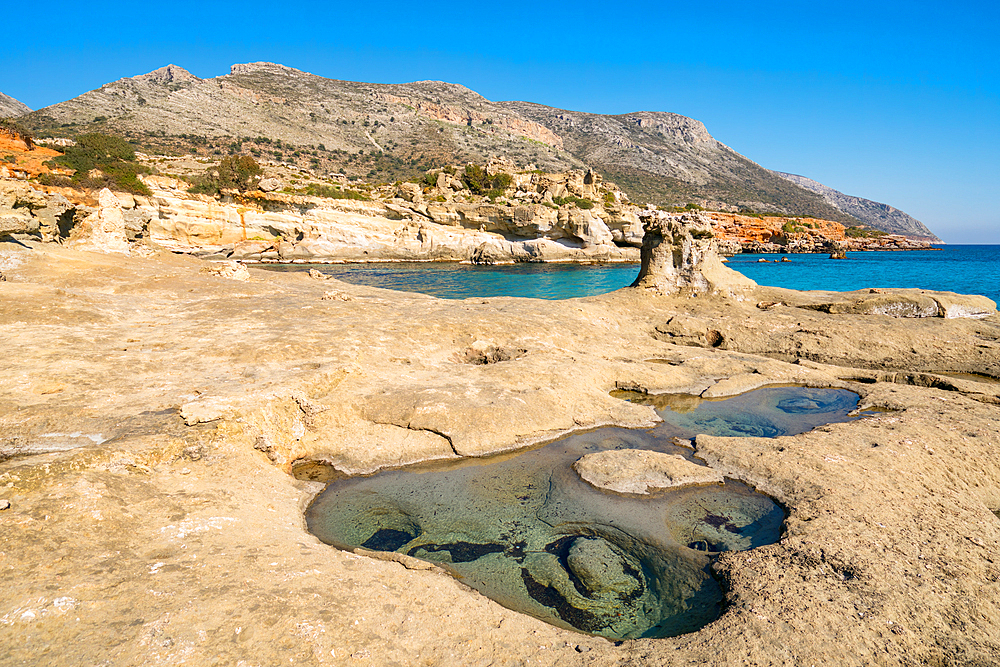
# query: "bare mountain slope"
11,108
428,122
871,213
385,132
666,157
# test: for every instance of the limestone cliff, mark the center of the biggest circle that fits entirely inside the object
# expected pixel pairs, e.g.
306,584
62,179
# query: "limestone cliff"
405,225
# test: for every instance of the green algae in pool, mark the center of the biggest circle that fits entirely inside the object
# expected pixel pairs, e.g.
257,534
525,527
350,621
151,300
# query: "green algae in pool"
527,532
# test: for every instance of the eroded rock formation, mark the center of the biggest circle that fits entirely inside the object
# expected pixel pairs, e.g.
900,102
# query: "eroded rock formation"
679,255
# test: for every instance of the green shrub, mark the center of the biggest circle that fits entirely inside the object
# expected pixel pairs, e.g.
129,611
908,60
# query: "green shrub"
331,192
863,233
792,228
480,183
579,202
100,160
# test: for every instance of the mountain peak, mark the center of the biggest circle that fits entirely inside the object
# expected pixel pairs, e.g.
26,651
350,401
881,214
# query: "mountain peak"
872,213
168,74
250,68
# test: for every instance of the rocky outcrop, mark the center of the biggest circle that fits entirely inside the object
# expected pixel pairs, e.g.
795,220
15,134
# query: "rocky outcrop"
418,224
102,230
19,207
641,471
910,303
679,255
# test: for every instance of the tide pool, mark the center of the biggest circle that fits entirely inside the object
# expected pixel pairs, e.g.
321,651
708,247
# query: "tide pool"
966,269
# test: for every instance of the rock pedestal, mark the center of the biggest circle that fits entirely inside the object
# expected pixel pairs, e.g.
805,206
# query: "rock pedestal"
679,255
104,229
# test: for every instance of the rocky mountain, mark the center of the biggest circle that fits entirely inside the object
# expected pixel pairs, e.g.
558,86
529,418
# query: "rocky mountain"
666,157
389,132
872,213
10,108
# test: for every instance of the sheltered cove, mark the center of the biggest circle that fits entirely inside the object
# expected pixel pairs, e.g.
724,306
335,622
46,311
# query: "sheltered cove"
153,411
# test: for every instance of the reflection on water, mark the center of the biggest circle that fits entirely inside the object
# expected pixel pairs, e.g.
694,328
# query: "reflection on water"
526,531
767,412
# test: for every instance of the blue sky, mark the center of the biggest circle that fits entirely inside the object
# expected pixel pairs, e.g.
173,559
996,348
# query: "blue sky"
896,102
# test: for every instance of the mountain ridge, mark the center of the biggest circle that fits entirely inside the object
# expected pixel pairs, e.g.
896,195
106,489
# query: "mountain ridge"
874,214
393,131
11,108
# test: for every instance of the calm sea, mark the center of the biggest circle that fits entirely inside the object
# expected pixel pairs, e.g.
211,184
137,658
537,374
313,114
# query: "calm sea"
966,269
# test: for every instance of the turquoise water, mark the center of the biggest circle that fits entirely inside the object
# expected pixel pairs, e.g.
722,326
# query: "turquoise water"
451,280
526,531
964,269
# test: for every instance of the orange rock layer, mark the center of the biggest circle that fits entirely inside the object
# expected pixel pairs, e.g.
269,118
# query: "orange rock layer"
743,228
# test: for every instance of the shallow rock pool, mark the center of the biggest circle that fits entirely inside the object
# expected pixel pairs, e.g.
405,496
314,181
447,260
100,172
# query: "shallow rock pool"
526,531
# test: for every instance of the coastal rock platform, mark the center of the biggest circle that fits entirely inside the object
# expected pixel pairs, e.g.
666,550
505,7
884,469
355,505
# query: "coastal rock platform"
163,428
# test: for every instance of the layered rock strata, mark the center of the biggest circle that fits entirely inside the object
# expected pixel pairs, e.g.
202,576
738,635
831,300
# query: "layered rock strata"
293,228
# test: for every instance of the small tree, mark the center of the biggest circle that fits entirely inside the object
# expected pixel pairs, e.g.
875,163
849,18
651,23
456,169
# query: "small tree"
235,172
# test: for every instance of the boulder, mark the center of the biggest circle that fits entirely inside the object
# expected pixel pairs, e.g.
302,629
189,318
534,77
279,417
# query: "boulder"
410,192
231,270
269,184
972,306
17,222
639,471
893,305
56,218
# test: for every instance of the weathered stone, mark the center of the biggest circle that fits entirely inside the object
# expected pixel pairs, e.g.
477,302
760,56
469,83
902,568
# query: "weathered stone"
972,306
17,222
600,567
893,305
640,471
678,255
269,184
231,270
911,303
144,550
103,230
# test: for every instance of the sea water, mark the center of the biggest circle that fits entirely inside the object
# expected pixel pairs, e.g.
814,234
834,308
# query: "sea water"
526,531
966,269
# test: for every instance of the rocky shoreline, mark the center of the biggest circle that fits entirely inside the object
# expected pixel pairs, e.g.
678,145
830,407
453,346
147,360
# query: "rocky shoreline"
535,217
165,422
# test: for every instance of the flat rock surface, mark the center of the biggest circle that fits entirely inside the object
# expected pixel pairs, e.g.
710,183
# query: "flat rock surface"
639,471
133,537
